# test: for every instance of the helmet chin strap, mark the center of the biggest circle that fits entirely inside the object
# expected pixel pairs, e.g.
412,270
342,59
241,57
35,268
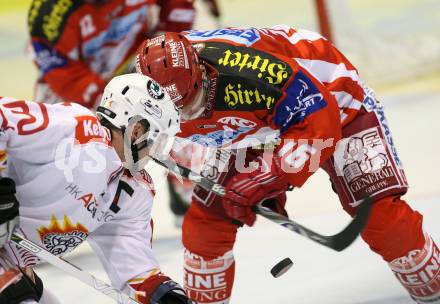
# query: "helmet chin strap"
134,162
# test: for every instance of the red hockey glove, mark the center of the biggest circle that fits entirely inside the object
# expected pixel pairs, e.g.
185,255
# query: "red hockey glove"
245,190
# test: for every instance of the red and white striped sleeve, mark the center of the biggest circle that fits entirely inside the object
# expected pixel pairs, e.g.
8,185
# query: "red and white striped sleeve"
324,61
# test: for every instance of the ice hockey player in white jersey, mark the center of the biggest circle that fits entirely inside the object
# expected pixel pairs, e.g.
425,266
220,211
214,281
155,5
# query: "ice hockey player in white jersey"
69,175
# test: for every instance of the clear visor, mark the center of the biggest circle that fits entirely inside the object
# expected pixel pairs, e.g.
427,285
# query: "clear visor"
149,144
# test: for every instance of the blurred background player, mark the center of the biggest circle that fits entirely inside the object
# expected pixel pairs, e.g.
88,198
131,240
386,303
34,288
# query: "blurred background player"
60,199
241,83
79,45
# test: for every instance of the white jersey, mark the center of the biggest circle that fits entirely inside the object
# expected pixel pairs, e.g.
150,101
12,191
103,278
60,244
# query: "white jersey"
71,186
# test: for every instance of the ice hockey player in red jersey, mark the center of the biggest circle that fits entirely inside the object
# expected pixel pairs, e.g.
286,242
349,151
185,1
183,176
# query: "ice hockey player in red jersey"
79,45
239,86
72,176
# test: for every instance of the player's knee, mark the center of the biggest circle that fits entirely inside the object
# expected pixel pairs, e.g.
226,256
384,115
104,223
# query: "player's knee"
393,228
206,234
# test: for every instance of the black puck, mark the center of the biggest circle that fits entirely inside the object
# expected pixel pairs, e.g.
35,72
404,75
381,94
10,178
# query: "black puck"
281,267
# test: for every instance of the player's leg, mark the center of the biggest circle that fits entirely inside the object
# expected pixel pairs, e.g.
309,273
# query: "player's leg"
366,162
209,264
209,234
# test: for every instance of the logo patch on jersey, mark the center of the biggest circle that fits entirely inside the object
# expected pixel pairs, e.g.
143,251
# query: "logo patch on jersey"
243,36
88,129
155,90
47,58
248,79
302,99
233,128
245,97
89,202
363,162
237,122
59,239
216,138
249,61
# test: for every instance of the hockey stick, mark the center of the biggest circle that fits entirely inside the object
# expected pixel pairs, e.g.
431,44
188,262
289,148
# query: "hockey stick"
73,270
337,242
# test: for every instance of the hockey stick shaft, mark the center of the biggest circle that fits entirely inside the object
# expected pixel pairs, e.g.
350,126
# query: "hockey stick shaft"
336,242
73,270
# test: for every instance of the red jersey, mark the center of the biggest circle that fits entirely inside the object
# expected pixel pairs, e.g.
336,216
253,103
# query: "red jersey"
310,50
258,91
78,46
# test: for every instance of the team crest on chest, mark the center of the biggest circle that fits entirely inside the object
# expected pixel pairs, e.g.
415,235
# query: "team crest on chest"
61,238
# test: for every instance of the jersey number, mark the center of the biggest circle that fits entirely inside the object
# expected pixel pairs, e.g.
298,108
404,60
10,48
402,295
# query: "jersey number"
21,108
298,157
121,186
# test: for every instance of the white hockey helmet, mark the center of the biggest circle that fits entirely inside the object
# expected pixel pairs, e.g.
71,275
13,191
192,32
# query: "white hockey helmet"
131,98
138,96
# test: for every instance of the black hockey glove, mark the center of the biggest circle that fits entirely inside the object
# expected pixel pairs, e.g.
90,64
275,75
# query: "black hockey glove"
8,209
169,292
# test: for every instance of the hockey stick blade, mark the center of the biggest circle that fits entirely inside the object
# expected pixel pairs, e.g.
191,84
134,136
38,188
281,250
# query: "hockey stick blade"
337,242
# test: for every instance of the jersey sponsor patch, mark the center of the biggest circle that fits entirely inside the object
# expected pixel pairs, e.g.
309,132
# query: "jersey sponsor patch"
219,138
88,129
247,62
248,79
302,99
237,122
47,58
363,162
246,36
418,271
233,127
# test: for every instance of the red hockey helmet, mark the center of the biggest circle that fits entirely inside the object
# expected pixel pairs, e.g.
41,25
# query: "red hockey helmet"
171,60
